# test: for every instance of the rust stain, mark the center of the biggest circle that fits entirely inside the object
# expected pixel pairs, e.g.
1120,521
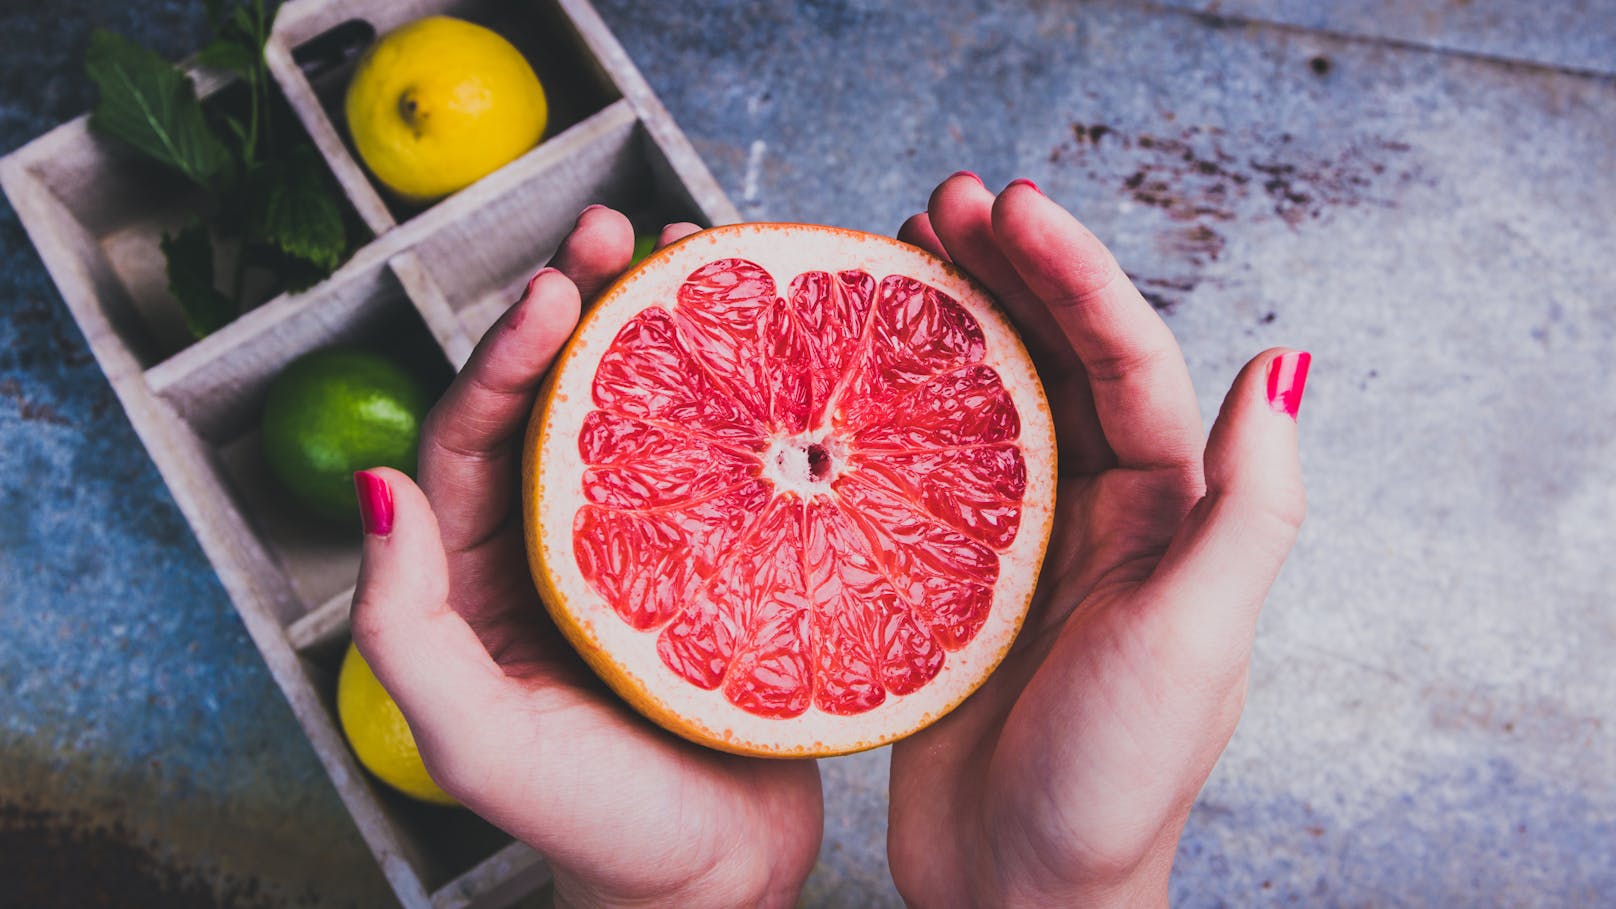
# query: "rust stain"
1204,176
70,349
1454,708
49,859
31,411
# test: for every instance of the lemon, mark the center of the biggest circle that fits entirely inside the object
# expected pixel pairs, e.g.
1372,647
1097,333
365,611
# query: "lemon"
437,104
380,738
336,411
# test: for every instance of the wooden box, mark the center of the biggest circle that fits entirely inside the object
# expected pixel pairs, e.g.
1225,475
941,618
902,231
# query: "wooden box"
423,288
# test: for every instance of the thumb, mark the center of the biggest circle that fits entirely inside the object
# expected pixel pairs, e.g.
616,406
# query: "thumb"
1210,585
424,653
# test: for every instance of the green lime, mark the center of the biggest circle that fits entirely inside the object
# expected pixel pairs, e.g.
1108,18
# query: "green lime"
644,245
336,411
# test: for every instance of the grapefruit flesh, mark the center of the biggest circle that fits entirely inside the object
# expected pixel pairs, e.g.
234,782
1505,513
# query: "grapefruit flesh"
788,488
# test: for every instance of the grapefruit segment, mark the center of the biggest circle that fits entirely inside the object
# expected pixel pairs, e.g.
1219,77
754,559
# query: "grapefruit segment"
633,464
742,629
650,374
965,407
832,312
869,642
722,316
790,523
918,332
648,563
977,490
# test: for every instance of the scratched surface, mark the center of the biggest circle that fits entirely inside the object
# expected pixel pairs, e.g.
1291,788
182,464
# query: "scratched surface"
1431,719
1574,34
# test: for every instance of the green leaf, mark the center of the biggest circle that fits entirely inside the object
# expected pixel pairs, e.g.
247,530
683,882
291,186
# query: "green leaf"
292,207
247,22
230,56
152,106
190,280
215,10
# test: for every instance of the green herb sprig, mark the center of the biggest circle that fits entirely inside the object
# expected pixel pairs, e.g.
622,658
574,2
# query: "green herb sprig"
269,194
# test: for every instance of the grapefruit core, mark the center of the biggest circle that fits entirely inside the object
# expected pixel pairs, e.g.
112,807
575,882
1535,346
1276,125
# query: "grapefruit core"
788,487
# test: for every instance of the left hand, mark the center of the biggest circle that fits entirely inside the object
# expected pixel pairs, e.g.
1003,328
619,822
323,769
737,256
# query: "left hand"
508,719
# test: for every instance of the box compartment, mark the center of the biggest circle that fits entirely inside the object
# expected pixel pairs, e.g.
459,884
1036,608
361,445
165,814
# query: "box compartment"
317,50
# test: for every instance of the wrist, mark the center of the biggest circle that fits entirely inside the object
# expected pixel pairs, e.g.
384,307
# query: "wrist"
1136,882
715,890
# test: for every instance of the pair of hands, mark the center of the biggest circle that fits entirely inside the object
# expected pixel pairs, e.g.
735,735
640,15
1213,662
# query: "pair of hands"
1065,780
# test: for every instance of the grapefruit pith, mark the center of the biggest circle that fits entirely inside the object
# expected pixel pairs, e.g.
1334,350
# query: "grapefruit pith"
787,490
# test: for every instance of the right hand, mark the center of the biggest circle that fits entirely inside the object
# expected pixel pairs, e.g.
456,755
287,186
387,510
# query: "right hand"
1067,778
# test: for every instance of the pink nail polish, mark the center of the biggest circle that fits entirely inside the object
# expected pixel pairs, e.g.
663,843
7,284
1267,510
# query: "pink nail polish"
375,503
1287,377
966,173
1027,183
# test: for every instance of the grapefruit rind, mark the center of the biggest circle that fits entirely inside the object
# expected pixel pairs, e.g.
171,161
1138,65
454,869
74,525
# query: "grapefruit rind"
626,658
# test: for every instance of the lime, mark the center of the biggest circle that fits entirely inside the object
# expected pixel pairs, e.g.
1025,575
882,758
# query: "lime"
378,734
336,411
644,245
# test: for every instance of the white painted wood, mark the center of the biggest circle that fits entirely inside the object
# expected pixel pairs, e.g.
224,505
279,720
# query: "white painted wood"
502,879
350,176
433,307
323,626
217,382
684,163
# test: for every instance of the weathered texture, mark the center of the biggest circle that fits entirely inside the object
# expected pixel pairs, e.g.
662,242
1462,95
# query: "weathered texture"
1573,34
1431,720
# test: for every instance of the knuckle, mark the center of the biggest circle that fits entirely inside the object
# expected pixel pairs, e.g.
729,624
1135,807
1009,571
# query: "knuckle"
1286,506
463,760
1122,363
364,618
1274,509
1088,283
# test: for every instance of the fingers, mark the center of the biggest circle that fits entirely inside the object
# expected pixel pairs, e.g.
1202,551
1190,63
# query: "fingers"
961,212
469,443
917,231
1217,571
425,655
675,232
598,249
1141,386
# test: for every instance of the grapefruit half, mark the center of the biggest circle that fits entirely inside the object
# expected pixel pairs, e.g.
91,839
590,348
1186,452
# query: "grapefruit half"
788,487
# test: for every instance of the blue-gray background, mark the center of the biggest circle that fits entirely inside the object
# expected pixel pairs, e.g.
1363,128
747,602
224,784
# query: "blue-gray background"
1419,191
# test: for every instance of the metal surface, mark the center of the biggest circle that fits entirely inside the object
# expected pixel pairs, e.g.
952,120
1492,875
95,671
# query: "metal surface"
1431,719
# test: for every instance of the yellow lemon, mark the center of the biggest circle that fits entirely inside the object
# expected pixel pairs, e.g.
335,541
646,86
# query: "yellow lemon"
380,738
438,104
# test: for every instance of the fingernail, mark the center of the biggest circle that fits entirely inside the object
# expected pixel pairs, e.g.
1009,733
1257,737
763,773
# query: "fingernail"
966,173
1027,183
1287,377
535,279
375,503
590,208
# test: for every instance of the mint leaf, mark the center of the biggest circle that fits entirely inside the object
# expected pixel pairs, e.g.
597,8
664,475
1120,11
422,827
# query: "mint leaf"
190,280
152,106
292,207
230,56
